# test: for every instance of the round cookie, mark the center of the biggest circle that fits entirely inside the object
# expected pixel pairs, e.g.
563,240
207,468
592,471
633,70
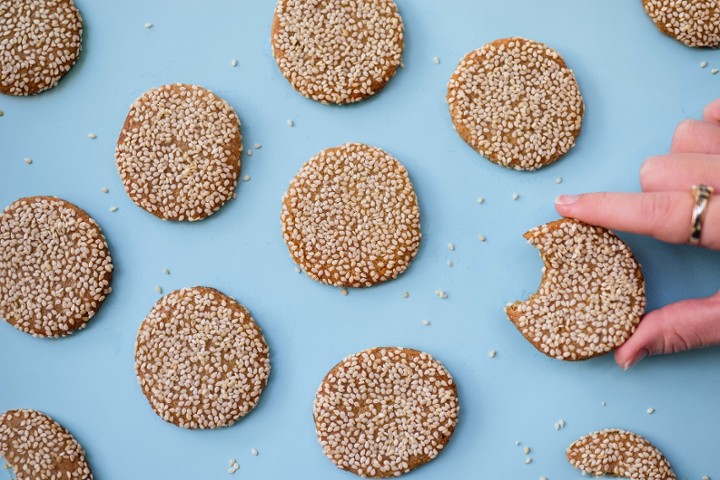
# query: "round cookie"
179,150
40,41
619,454
350,217
385,411
591,296
695,23
37,447
200,358
55,266
337,51
516,102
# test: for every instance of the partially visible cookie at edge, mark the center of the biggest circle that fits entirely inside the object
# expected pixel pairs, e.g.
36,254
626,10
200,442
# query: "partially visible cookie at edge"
619,453
200,358
40,40
337,51
37,447
516,102
591,296
178,153
696,23
350,217
55,266
384,411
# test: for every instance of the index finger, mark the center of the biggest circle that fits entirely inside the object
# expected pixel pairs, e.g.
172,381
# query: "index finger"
663,215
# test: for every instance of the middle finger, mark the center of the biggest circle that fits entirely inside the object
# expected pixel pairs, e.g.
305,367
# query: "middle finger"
679,172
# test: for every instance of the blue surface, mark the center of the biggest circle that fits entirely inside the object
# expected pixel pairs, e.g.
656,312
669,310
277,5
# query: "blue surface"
637,84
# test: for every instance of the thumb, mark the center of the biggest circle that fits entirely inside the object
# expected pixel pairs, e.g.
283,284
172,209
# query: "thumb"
679,326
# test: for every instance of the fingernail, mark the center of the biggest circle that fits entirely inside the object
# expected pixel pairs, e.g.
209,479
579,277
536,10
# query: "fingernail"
640,355
566,199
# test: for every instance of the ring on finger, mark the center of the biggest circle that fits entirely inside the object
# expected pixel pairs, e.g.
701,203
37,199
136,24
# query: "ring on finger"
701,196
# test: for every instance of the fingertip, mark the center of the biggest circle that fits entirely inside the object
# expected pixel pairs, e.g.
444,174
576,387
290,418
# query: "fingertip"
627,357
712,112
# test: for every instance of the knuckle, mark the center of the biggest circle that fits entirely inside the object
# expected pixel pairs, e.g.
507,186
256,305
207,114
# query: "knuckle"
648,171
658,209
683,133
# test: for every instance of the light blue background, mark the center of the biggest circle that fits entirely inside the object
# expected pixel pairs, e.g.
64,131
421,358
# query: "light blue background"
637,84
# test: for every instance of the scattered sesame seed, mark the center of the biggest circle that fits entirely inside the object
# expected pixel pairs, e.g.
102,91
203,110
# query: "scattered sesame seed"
2,113
254,452
561,423
297,269
257,146
526,450
703,64
249,152
449,263
426,322
528,461
441,294
246,178
705,477
515,196
344,291
28,160
113,209
558,180
92,136
480,200
232,462
158,289
714,71
148,25
650,411
451,246
436,60
482,238
233,469
543,478
291,123
233,63
517,443
602,404
492,353
166,271
406,294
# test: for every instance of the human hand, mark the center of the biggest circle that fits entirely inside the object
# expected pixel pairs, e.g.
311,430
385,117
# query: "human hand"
664,211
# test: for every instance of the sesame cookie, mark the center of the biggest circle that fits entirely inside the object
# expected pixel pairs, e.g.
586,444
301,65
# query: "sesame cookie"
40,41
591,296
350,217
695,23
516,102
55,266
337,51
385,411
200,358
37,447
619,454
178,154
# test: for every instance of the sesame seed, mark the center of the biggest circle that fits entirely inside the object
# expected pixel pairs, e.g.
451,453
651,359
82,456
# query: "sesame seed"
297,269
492,353
257,146
246,178
113,209
515,196
232,462
148,25
343,291
254,452
650,411
28,160
558,180
482,238
436,60
291,123
714,71
426,322
158,289
249,152
517,443
166,271
451,246
92,136
2,113
104,190
480,200
449,263
528,461
703,64
705,477
233,63
543,478
441,294
406,294
526,450
602,404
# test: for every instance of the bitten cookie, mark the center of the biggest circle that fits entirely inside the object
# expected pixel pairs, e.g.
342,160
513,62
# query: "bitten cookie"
350,217
178,154
55,266
619,454
516,102
591,296
40,41
37,447
200,358
696,23
384,411
337,51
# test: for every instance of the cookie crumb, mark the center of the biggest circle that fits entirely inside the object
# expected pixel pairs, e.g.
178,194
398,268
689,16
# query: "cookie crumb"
516,196
650,411
703,64
406,294
344,291
158,288
480,200
233,63
92,136
451,246
113,209
492,353
148,25
290,123
558,180
27,160
254,452
436,60
426,323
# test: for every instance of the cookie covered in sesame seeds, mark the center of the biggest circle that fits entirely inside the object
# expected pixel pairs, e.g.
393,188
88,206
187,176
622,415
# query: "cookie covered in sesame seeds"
619,453
385,411
350,217
200,358
37,447
591,295
178,153
696,23
337,51
40,41
516,102
55,266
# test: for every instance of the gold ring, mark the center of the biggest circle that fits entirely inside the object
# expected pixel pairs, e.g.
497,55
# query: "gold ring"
701,195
